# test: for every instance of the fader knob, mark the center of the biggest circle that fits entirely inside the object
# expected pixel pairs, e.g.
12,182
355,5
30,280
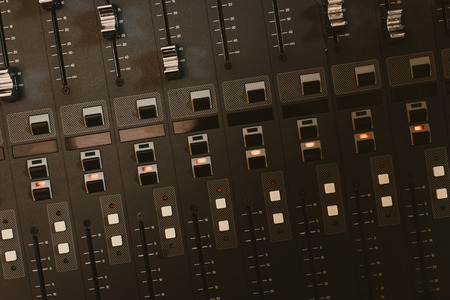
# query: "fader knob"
108,20
47,4
171,62
8,85
335,14
394,24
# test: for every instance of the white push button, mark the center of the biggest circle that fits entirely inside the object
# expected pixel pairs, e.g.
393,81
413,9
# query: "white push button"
275,196
221,203
116,241
332,210
7,234
60,226
438,171
278,218
441,193
224,225
10,256
113,219
166,211
383,179
386,201
170,233
63,248
330,188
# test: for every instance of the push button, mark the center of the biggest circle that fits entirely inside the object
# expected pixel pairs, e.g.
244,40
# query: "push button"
10,256
201,167
147,108
201,100
310,84
7,234
39,124
329,188
94,182
198,144
144,152
278,218
311,151
113,219
93,116
438,171
332,210
365,142
362,120
420,67
41,190
60,226
148,175
274,196
116,241
386,201
37,168
441,194
256,159
253,136
417,112
221,203
365,75
383,179
166,211
63,248
256,92
420,134
224,225
170,233
91,160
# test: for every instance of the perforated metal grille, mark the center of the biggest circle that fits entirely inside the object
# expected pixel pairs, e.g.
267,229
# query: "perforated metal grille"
344,77
389,215
13,269
275,181
64,262
19,127
399,69
126,113
235,96
164,197
181,106
72,118
446,62
119,254
221,189
290,89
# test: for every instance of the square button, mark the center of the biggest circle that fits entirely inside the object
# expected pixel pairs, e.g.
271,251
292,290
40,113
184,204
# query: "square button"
170,233
113,219
224,225
221,203
60,226
441,193
278,218
275,196
383,179
63,248
386,201
438,171
332,210
7,234
116,241
10,256
166,211
330,188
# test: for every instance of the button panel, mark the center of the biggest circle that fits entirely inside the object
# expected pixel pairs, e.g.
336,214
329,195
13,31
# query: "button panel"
438,181
115,229
385,190
169,226
277,212
10,246
222,214
61,231
331,200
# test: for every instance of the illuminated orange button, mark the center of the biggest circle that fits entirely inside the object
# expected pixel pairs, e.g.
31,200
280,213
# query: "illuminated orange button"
255,152
94,176
146,169
40,184
364,136
419,128
310,145
200,160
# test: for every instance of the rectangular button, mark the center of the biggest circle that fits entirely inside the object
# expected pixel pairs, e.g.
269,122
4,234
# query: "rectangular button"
386,201
383,179
441,193
221,203
10,256
275,196
256,92
278,218
60,226
63,248
332,210
7,234
224,225
93,116
40,124
330,188
113,219
438,171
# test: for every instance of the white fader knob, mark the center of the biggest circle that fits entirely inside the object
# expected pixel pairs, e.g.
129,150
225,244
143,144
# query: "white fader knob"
8,85
394,24
47,4
108,19
335,14
171,62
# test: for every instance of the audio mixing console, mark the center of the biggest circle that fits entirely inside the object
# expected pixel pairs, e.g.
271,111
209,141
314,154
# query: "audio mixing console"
224,149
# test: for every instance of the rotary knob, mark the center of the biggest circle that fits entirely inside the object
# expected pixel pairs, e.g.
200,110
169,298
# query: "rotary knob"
108,19
8,85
